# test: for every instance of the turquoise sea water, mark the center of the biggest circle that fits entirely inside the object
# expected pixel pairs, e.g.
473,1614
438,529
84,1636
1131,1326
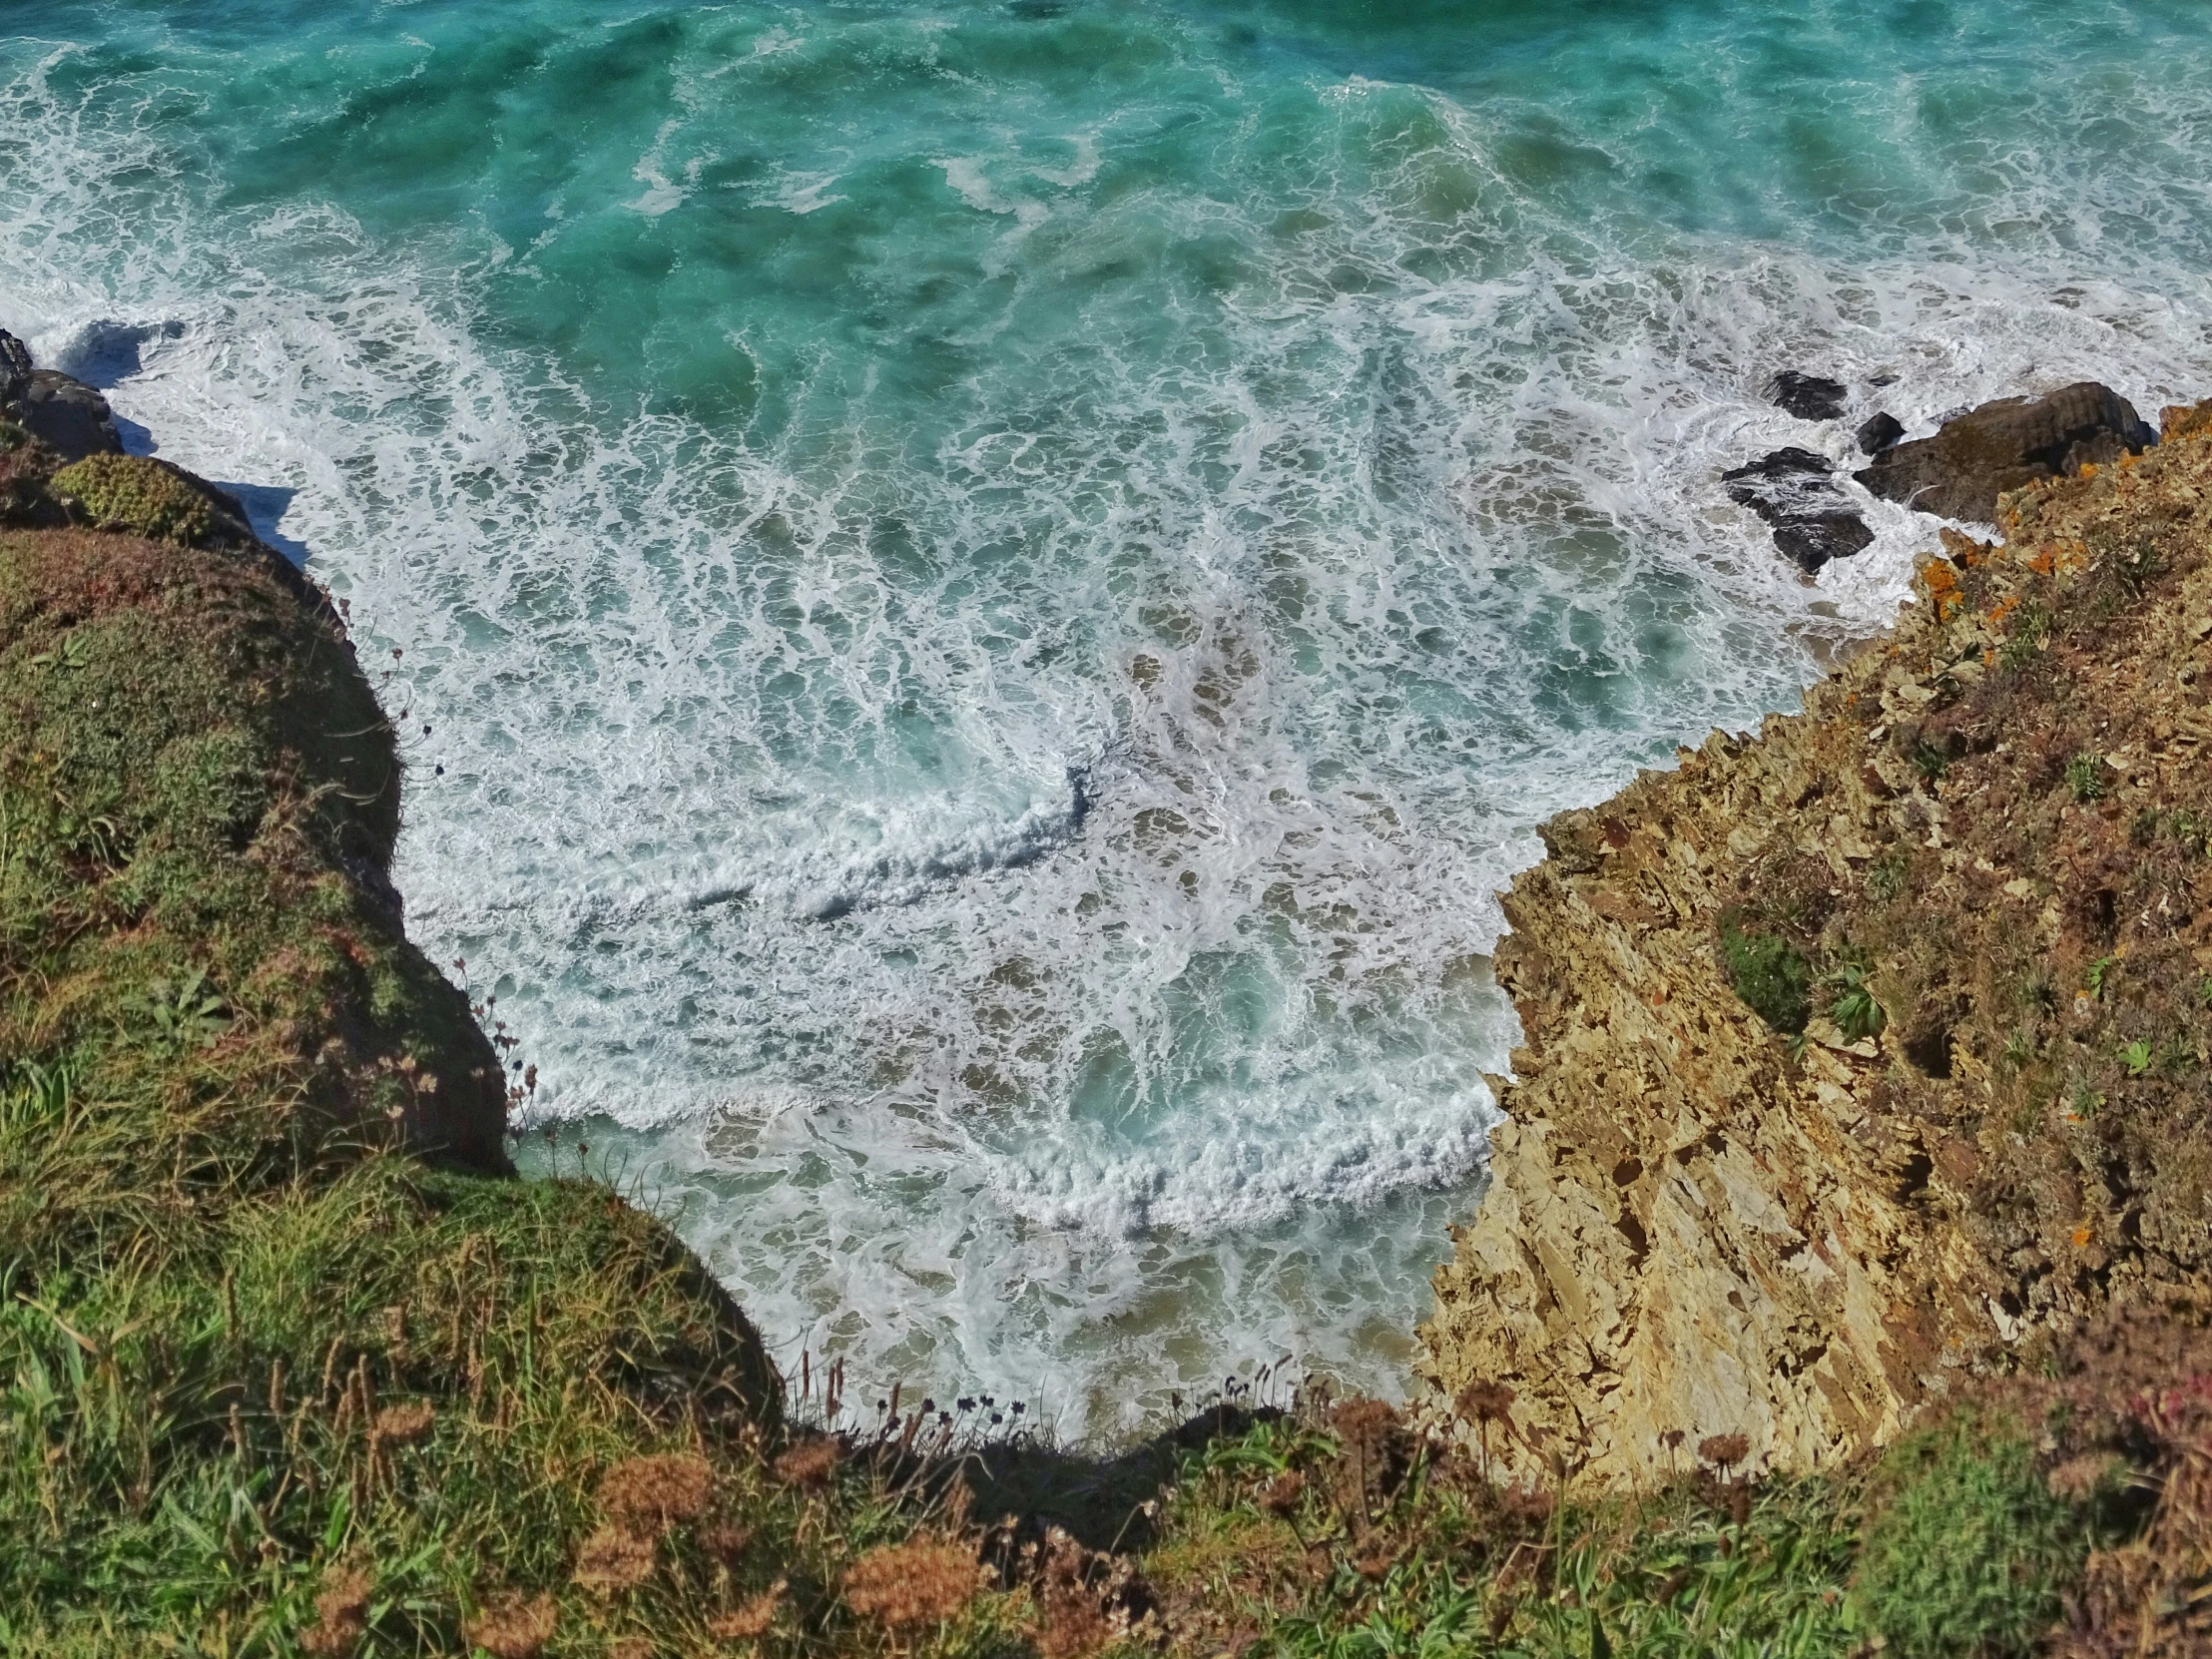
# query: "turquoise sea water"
996,587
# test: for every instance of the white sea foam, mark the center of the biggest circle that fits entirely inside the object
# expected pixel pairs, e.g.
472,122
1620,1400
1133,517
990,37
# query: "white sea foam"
1027,905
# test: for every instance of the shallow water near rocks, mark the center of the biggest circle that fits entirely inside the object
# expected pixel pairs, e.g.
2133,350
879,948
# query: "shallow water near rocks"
985,594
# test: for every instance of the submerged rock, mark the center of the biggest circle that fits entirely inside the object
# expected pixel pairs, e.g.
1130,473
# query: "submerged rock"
1978,455
1808,396
70,418
1793,492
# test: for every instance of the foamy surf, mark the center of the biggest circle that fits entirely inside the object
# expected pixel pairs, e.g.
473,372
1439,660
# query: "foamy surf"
972,674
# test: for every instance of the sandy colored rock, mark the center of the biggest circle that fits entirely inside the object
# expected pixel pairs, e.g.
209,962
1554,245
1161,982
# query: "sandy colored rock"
1699,1225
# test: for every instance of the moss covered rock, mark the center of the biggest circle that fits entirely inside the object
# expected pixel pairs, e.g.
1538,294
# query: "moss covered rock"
139,494
256,1347
200,796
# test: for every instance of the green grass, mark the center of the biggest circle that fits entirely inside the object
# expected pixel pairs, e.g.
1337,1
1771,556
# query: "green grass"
1950,1545
1971,1553
1771,974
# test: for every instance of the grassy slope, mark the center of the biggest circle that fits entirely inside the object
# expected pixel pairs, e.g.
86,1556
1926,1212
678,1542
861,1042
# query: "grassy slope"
269,1381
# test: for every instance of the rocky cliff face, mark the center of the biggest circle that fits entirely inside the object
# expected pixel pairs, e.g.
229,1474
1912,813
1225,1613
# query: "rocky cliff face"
1872,1052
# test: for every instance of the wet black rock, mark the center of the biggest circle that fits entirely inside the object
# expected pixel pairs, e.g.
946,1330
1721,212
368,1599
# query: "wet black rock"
1978,455
72,418
1794,492
1806,397
1879,433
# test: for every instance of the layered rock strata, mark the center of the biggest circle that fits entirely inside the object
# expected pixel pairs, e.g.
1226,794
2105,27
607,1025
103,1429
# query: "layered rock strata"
1969,887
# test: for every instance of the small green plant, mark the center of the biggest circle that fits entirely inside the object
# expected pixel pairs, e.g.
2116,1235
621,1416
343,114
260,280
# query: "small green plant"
32,1096
12,437
136,494
2204,991
1771,976
2100,972
186,1013
1971,1554
1851,1004
2136,1056
1885,878
2086,778
1928,761
72,653
2143,827
2029,635
2088,1102
2020,1048
2140,566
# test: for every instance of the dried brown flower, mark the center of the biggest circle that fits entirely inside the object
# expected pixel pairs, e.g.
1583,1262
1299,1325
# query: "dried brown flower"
905,1585
1363,1421
1280,1496
1375,1453
404,1423
341,1615
1724,1451
614,1558
512,1625
725,1541
1484,1402
2079,1477
809,1465
652,1495
1075,1621
752,1619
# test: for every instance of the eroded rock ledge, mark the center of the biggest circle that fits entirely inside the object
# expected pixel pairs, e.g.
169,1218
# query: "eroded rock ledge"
1993,826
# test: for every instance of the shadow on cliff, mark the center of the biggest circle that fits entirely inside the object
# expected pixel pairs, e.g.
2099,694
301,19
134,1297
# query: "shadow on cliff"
1024,1487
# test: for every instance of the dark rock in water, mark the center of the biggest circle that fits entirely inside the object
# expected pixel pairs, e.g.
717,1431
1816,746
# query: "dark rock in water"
1771,478
1879,433
1793,492
72,418
1978,455
1806,397
1812,541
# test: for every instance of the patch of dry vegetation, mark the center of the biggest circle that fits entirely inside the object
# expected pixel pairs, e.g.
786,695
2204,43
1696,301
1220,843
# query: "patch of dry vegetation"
2029,931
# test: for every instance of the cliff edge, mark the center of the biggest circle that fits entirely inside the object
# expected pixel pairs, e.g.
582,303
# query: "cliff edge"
1870,1054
